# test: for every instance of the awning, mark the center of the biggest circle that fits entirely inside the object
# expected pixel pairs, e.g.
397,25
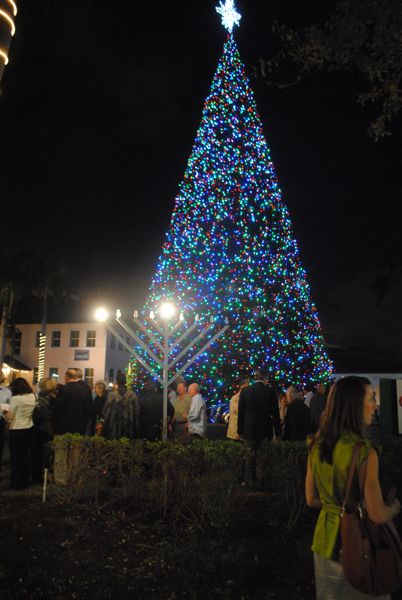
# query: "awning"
15,364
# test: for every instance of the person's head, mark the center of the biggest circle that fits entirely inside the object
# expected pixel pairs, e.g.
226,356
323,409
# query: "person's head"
70,375
149,385
350,407
121,379
100,388
78,372
193,389
321,388
292,394
282,399
181,388
260,375
49,386
20,386
243,383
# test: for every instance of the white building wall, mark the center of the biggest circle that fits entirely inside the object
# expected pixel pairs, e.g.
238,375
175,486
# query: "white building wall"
101,358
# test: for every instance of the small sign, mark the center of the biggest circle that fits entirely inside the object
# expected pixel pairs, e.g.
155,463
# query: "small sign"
81,354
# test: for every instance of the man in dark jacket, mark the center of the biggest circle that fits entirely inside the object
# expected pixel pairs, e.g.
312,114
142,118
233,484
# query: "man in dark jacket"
297,420
151,416
73,406
258,417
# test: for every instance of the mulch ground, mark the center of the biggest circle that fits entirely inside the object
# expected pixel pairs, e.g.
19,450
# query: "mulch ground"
51,551
58,552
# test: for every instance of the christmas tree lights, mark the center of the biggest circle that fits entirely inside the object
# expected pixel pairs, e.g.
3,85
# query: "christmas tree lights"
230,251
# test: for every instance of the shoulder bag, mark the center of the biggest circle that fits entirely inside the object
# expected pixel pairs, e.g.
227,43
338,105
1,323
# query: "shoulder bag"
371,555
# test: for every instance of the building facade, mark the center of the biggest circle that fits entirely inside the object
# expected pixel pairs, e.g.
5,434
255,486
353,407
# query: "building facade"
88,346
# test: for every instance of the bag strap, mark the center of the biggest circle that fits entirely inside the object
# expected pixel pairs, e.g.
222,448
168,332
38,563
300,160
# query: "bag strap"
352,469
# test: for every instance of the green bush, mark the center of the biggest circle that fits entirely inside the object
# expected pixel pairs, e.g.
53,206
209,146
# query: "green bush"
194,484
282,470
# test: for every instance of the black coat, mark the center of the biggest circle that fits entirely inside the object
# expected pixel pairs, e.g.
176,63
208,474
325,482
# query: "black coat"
42,417
297,422
151,403
73,408
258,412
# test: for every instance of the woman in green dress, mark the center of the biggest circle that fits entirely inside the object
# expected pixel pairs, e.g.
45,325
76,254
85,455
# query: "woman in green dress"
344,423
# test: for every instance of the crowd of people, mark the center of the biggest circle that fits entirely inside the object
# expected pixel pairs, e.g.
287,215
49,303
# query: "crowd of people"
258,411
33,419
334,420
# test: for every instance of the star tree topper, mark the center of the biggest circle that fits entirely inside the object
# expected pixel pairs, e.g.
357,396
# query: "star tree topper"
230,17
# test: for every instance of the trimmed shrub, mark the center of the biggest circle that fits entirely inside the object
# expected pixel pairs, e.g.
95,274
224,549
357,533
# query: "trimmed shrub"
193,483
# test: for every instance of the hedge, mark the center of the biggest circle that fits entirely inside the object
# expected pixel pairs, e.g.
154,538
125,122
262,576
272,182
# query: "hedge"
198,483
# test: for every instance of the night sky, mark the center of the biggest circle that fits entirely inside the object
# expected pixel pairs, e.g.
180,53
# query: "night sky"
99,109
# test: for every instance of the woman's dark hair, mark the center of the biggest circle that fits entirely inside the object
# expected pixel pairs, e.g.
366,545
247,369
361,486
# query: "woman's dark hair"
343,412
20,386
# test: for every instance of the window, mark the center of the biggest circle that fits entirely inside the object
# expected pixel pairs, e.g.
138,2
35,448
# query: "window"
120,346
113,342
128,340
56,339
37,339
54,372
74,338
17,342
91,338
89,377
111,374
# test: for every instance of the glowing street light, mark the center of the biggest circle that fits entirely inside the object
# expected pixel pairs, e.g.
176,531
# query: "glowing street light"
167,310
101,314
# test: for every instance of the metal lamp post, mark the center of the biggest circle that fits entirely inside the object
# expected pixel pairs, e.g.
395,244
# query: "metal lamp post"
162,359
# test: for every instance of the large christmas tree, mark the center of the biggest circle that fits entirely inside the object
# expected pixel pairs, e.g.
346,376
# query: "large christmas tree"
230,250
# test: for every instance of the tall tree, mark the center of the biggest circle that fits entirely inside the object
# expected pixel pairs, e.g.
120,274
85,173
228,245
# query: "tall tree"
230,250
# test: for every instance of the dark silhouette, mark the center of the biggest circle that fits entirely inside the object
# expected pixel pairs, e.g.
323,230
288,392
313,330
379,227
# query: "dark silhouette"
73,406
297,419
258,418
151,402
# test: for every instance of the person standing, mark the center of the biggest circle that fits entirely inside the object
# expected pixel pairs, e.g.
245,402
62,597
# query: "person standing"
5,397
197,415
297,419
95,426
86,390
317,406
42,432
344,424
121,412
72,406
181,404
308,391
283,408
151,402
234,411
257,420
22,403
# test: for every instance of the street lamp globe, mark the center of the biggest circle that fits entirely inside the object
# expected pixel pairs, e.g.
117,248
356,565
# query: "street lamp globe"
167,310
101,314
